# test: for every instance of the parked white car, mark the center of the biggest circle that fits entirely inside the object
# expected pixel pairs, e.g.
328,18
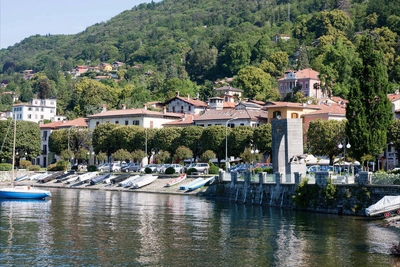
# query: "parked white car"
153,168
177,167
110,167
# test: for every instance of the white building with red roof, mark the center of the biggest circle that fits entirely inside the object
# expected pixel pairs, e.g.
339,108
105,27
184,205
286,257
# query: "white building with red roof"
187,105
46,156
244,114
305,79
141,117
229,94
36,110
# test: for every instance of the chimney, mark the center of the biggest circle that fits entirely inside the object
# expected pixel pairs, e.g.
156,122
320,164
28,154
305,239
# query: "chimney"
177,93
164,110
123,106
104,108
145,106
188,97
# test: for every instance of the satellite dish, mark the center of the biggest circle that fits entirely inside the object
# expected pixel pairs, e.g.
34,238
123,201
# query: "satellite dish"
309,101
278,117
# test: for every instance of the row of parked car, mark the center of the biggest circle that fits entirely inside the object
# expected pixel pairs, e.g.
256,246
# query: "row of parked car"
160,168
244,167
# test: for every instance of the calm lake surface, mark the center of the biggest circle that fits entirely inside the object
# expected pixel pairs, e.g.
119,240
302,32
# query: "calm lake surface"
106,228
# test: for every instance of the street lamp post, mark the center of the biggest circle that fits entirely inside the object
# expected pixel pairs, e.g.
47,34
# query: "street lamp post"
348,146
226,143
253,155
69,131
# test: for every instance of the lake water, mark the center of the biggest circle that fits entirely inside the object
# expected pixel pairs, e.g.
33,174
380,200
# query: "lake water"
109,228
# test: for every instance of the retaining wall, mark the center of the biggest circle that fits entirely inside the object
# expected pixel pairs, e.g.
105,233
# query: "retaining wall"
350,199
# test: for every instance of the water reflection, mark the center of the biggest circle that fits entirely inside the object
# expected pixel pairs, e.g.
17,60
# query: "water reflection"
106,228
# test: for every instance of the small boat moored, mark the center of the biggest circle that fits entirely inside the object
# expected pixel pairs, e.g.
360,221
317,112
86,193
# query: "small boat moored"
23,192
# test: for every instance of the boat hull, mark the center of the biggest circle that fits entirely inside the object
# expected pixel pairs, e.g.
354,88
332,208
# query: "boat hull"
11,193
176,180
146,179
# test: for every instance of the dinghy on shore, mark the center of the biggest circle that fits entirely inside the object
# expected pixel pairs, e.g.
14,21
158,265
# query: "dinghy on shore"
200,183
185,187
176,180
129,182
144,180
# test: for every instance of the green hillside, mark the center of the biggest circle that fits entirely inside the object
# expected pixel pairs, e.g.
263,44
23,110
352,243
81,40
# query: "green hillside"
188,45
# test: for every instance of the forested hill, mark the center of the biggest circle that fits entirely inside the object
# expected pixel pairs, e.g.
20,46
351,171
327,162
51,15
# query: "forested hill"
197,41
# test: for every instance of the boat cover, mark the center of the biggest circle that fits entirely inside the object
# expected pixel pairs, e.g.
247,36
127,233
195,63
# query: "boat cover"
387,203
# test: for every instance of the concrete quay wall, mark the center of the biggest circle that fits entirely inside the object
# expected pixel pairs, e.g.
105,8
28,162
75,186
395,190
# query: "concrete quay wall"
349,199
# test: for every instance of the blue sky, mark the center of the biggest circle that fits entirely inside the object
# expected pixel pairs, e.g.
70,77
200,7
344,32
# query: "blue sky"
20,19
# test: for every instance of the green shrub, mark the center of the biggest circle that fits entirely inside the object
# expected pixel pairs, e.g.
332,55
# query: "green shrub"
92,168
213,169
54,167
25,164
258,170
269,170
189,171
5,167
34,168
147,170
170,170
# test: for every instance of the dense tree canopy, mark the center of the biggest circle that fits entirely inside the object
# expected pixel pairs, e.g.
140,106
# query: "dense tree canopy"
369,112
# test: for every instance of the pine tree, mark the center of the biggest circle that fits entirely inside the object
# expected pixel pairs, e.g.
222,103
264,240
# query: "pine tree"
369,112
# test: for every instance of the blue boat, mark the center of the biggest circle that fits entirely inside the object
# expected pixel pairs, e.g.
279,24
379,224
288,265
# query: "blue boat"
200,183
23,192
186,186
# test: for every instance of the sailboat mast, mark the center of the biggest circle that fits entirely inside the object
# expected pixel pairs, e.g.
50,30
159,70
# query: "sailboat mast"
13,152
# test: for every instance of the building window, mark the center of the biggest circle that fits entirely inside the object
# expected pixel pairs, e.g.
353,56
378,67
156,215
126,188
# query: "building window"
116,122
41,117
42,109
97,123
182,109
52,103
29,116
37,109
242,124
295,115
276,115
173,109
29,108
135,122
51,111
190,108
209,125
231,125
151,124
306,85
126,122
35,116
201,125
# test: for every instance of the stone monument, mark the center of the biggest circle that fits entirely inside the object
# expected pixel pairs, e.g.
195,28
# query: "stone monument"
287,147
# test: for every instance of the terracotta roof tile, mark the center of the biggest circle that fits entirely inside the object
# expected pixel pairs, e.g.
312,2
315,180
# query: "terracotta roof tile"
139,111
305,74
194,102
186,120
240,114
